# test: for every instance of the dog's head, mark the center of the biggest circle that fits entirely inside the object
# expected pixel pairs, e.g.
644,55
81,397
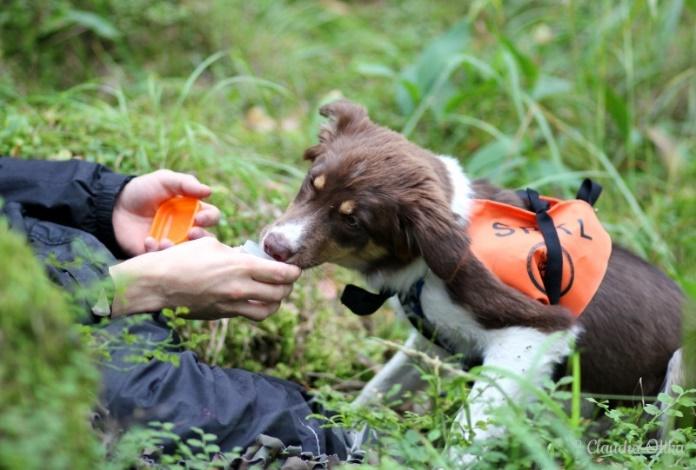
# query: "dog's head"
371,200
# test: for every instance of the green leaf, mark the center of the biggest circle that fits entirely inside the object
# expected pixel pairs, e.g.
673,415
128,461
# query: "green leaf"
490,158
662,397
526,64
564,381
195,443
434,435
95,23
212,448
617,108
431,63
686,401
548,85
84,19
651,409
375,70
412,436
393,391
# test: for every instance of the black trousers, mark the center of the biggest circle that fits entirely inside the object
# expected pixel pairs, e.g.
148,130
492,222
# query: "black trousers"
235,405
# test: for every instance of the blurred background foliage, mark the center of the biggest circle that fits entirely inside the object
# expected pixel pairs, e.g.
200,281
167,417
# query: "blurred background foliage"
524,92
47,378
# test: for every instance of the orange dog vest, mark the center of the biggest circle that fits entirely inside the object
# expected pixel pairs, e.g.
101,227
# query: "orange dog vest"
556,253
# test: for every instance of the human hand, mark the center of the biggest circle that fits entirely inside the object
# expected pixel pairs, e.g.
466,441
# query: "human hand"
139,200
210,278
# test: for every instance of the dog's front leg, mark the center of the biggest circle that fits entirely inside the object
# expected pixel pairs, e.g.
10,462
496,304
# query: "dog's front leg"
509,354
400,370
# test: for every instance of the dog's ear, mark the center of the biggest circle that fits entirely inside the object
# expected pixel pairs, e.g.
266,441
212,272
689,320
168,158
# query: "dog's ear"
444,245
313,152
435,233
344,117
343,111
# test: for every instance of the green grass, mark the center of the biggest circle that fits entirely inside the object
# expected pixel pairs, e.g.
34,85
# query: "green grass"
46,372
537,93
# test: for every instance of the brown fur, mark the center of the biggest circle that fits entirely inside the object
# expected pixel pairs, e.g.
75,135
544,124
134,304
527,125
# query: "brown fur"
401,196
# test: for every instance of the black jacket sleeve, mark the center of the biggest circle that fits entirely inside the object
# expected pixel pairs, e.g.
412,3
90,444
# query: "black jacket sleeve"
74,193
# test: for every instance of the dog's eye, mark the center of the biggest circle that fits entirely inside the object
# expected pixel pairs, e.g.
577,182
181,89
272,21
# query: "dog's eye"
352,221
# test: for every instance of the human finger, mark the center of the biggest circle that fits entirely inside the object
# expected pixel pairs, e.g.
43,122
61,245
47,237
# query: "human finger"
262,292
207,216
196,232
151,244
182,184
165,243
273,272
257,311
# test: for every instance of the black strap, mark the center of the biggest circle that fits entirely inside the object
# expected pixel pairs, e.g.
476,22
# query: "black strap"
362,302
413,309
589,191
554,251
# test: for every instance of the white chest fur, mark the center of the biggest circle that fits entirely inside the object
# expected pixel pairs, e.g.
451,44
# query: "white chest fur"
452,322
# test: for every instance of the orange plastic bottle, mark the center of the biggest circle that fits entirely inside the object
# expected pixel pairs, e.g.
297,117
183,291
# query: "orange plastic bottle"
174,219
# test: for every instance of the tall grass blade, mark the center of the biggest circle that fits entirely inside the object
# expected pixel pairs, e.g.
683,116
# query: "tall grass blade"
198,71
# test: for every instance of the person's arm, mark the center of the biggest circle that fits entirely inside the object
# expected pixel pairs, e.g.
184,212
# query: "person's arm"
117,209
210,278
75,193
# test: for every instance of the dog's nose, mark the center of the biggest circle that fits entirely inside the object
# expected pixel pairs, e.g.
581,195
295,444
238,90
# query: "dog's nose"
277,246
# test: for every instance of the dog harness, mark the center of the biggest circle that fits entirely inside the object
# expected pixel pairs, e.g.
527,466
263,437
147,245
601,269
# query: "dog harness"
362,302
555,252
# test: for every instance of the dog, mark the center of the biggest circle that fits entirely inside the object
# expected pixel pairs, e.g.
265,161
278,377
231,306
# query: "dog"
378,204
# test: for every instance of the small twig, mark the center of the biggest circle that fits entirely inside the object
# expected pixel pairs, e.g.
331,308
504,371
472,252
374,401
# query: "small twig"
432,361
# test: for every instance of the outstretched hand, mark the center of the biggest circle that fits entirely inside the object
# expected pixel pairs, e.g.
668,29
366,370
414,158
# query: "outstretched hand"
211,279
139,200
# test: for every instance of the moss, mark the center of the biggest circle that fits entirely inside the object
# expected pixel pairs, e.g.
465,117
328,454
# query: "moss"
48,380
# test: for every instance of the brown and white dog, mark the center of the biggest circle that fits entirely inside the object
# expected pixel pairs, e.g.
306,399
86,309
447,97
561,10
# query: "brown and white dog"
374,202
